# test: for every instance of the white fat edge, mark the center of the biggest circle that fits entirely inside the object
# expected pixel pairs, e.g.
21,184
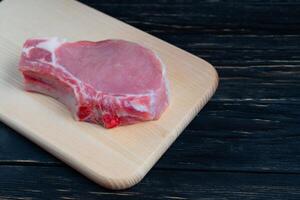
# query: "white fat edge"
74,109
106,101
127,103
164,74
164,69
139,107
26,50
43,60
123,113
51,44
56,65
78,82
152,102
120,112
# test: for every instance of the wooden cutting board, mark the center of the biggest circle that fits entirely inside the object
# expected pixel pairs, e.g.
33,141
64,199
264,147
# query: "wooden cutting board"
117,158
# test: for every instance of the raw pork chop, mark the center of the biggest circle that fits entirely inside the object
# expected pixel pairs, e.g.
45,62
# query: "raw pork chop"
111,82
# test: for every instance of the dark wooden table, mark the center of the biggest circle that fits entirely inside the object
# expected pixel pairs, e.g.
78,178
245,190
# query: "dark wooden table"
244,144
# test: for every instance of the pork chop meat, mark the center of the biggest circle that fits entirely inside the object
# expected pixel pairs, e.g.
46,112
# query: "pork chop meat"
110,82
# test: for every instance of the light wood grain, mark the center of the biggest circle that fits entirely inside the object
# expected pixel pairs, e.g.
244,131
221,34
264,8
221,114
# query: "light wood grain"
116,158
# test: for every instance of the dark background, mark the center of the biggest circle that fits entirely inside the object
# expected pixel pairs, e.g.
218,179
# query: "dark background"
244,144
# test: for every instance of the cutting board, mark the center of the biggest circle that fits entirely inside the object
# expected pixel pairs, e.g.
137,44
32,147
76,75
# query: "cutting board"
116,158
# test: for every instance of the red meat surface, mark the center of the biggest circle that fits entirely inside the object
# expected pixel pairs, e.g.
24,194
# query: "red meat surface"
111,82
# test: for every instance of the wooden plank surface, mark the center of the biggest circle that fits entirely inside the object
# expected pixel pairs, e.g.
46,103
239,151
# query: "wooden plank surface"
62,183
115,158
248,132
